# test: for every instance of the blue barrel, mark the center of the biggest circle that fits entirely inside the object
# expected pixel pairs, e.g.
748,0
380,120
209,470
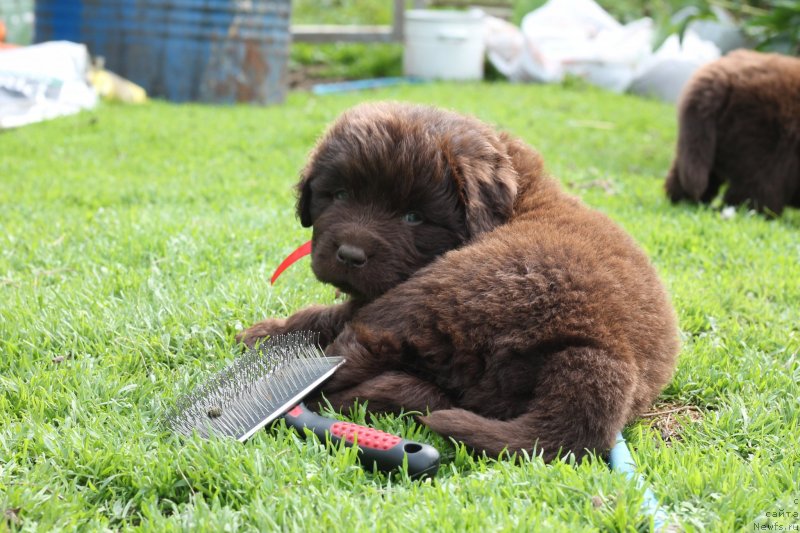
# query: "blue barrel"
220,51
58,20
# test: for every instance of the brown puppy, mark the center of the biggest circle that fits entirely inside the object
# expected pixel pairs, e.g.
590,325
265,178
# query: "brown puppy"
739,120
479,290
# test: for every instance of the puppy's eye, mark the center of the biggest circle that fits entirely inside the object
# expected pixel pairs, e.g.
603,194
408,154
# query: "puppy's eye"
412,218
341,194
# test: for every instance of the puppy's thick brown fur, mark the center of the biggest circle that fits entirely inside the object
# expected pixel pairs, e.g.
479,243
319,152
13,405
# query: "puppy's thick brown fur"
739,120
479,291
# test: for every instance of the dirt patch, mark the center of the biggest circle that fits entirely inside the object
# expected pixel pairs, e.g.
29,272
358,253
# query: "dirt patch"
670,419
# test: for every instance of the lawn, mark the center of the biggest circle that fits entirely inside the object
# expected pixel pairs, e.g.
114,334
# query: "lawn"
136,241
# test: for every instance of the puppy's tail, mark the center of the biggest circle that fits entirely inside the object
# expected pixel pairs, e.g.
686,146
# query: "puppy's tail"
699,110
584,397
493,436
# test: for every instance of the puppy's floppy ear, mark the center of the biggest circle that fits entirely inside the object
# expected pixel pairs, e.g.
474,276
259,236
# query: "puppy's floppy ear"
313,167
487,184
304,199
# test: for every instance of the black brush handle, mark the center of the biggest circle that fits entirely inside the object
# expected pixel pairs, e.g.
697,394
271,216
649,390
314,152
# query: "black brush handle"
384,450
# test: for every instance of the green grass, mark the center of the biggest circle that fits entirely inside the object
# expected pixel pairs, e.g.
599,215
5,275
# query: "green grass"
135,242
345,60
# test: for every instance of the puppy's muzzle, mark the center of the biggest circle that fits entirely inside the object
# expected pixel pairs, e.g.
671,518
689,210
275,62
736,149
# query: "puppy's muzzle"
351,255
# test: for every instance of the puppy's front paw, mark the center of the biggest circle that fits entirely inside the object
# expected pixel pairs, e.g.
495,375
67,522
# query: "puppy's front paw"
266,328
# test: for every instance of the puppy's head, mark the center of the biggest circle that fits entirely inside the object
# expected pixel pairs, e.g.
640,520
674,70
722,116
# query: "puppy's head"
391,186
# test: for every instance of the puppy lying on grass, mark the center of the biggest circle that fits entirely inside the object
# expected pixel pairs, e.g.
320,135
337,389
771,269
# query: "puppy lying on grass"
739,121
479,290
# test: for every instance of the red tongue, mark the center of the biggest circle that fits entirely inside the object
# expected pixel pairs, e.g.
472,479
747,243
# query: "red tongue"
302,251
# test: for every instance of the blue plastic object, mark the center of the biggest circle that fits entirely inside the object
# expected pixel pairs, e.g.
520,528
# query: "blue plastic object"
221,51
360,85
622,461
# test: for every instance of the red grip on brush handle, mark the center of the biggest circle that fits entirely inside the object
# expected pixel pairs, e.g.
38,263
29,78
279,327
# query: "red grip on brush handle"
383,450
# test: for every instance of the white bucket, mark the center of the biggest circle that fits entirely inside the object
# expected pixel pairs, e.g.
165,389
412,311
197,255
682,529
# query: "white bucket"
444,45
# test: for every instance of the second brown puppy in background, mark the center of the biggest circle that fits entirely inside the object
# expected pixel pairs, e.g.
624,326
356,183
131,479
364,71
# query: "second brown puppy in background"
479,290
739,121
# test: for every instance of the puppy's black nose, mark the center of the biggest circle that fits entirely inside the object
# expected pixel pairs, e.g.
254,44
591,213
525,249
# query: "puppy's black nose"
351,255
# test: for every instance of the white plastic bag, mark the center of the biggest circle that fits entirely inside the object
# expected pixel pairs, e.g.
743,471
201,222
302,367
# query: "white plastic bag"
579,38
43,81
574,37
505,47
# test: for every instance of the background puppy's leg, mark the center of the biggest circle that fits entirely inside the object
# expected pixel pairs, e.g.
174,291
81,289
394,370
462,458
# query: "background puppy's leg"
762,187
390,392
714,185
581,402
328,321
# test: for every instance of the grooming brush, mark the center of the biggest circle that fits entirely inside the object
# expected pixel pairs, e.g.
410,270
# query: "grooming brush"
270,381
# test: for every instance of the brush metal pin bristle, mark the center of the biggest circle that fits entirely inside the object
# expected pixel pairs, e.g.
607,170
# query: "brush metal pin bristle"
255,389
